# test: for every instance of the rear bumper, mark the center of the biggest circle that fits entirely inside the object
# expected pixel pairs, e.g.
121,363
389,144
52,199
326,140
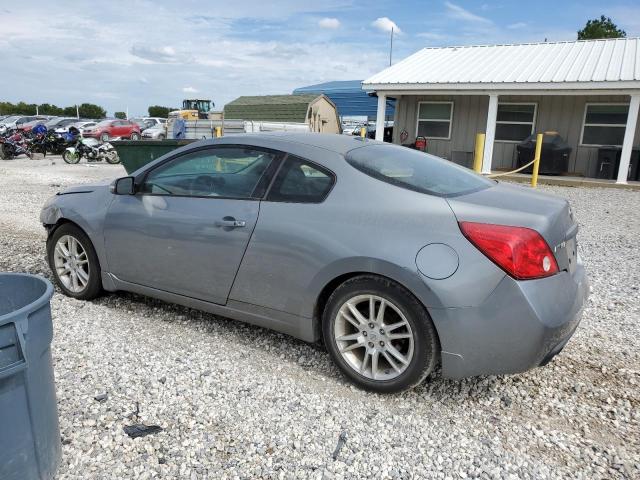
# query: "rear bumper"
521,325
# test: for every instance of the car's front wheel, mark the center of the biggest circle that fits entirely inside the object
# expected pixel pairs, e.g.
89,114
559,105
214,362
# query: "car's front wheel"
379,334
74,262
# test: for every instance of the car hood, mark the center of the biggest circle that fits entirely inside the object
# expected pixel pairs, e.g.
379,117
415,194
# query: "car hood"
86,188
505,204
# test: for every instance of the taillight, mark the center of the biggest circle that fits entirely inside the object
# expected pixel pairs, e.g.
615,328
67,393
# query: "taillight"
519,251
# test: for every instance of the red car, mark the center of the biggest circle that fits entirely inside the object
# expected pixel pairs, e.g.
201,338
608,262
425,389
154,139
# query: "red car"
108,129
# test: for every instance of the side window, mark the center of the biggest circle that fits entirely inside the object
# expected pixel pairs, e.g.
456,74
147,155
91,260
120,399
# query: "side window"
300,181
232,172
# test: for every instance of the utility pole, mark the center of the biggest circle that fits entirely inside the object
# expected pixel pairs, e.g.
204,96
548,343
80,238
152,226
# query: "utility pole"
37,110
391,47
77,112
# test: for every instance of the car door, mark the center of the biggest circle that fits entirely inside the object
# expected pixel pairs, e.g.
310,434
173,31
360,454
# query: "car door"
186,229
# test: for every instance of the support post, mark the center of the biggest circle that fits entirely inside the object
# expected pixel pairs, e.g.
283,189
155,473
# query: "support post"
492,114
536,160
478,152
380,116
627,143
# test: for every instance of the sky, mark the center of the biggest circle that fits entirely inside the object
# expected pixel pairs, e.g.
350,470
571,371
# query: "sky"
132,54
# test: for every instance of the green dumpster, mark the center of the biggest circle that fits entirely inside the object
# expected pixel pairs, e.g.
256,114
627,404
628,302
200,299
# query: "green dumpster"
137,153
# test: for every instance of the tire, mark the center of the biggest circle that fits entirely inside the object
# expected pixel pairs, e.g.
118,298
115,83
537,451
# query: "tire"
93,282
104,137
135,136
112,158
160,137
71,158
419,345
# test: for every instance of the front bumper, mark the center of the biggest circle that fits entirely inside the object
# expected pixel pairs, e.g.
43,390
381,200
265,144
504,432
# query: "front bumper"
521,325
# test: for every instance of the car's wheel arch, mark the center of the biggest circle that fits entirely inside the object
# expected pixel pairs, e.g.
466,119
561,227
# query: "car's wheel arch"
53,223
334,275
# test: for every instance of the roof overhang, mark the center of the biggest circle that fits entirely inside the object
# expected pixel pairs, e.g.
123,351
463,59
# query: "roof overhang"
568,88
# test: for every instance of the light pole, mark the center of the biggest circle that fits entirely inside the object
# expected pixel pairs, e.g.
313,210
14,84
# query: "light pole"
391,47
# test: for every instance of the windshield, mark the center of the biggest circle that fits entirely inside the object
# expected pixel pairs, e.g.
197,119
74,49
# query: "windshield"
12,118
52,123
105,123
414,170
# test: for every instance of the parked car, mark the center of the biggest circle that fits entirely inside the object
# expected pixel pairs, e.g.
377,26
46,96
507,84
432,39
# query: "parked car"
156,132
108,129
396,258
80,125
60,122
149,122
26,127
16,121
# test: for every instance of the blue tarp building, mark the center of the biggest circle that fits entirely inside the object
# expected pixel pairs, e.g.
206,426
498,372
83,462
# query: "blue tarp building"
349,98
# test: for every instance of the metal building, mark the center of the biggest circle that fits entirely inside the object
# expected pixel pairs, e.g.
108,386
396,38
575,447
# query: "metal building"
349,97
586,91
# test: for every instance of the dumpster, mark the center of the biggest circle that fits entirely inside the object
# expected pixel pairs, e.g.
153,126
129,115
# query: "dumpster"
554,158
29,433
137,153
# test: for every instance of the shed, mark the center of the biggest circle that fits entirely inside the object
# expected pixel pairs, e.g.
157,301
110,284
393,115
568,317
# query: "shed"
349,98
317,111
588,91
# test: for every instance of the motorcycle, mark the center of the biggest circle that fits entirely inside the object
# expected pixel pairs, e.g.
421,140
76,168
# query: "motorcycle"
92,150
13,145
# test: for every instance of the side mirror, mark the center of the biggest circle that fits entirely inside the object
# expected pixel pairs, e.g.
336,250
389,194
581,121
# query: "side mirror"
123,186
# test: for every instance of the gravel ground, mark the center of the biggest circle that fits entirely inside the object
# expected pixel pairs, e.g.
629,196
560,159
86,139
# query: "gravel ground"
237,401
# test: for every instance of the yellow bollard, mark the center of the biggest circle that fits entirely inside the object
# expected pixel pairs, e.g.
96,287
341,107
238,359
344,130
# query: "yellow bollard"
218,132
478,154
536,161
363,132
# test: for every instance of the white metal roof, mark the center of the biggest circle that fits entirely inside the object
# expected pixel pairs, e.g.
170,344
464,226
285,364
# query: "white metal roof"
579,65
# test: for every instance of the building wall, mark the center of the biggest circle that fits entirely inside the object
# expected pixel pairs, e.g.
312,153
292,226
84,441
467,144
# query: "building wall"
323,117
563,114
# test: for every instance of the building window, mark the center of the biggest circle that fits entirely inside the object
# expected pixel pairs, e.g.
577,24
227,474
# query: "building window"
515,121
434,120
604,124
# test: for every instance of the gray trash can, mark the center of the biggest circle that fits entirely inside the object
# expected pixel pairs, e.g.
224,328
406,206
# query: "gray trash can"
29,432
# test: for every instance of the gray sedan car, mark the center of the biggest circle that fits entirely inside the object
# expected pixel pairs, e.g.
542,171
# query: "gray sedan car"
396,259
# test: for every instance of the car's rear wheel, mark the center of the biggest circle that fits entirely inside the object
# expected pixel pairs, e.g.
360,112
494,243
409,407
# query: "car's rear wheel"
104,137
74,262
379,334
135,136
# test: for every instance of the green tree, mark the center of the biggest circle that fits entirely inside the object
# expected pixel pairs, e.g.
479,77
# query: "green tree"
120,115
69,111
48,109
600,28
89,110
158,111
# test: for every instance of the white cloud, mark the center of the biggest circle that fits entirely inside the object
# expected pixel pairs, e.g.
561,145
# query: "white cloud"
189,90
166,54
432,36
516,26
329,23
385,24
459,13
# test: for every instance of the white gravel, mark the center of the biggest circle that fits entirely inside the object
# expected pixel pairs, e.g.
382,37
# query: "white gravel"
237,401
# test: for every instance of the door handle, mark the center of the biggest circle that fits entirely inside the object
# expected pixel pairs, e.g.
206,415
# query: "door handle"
230,222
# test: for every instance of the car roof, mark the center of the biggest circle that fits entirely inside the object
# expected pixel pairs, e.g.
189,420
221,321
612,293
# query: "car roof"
329,141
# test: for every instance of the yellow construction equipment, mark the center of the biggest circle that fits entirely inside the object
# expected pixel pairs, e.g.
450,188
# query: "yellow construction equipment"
193,109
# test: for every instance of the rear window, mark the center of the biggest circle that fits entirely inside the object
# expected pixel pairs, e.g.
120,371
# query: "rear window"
417,171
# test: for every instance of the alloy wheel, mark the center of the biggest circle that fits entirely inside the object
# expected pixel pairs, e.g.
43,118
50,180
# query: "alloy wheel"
374,337
71,263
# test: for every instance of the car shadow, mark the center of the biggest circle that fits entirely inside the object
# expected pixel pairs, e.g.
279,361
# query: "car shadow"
310,357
